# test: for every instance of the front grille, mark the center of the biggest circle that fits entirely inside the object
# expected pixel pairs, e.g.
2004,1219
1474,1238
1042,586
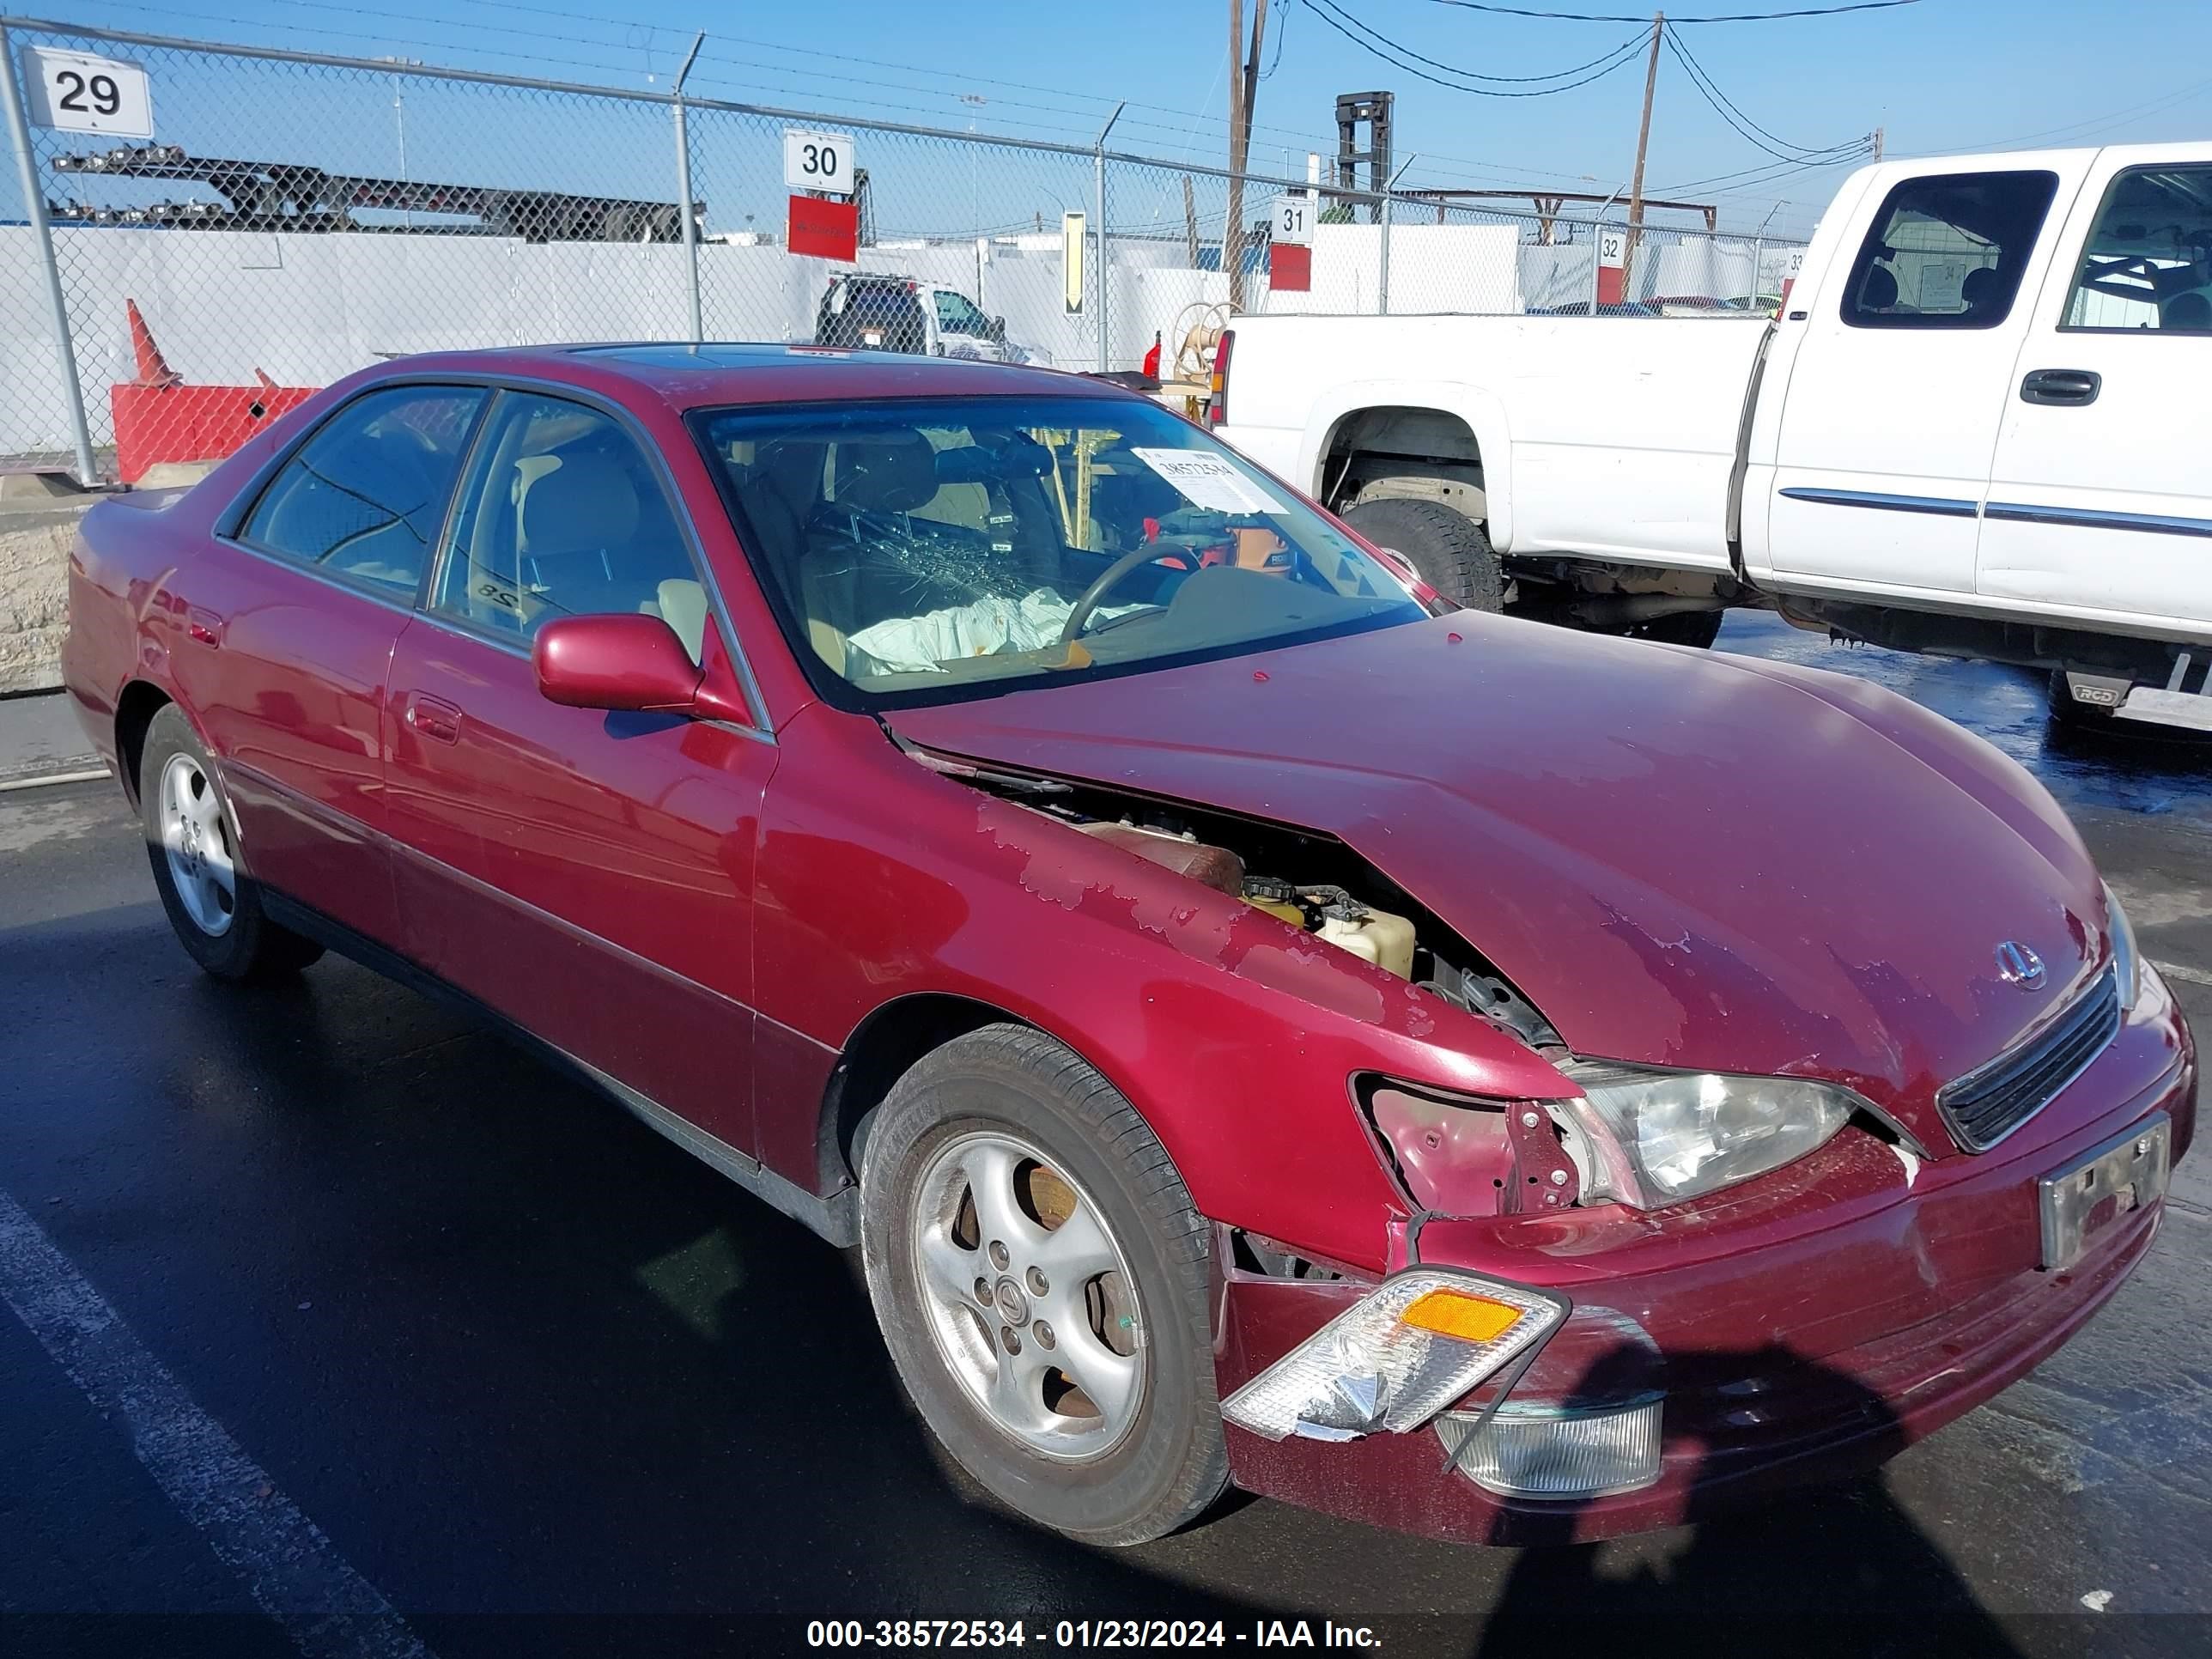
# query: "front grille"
1985,1106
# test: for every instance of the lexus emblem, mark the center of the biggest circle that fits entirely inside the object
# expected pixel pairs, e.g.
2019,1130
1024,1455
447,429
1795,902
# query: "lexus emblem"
2018,965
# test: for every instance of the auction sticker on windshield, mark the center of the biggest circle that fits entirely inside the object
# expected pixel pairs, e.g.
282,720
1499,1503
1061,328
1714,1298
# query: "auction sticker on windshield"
1208,481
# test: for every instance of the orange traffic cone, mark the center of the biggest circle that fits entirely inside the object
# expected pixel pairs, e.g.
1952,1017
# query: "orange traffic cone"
153,368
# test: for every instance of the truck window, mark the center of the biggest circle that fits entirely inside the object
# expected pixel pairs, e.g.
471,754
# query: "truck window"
1949,251
2149,260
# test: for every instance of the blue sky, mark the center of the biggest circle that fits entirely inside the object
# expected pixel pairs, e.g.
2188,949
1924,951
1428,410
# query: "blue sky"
1935,76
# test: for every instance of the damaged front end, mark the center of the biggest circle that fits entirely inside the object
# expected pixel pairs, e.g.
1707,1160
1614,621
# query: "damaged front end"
1394,1357
1596,1303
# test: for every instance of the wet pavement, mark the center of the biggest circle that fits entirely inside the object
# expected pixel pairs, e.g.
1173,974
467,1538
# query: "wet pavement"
346,1329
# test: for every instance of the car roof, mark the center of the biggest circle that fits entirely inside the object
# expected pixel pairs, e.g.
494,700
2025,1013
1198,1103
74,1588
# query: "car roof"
722,373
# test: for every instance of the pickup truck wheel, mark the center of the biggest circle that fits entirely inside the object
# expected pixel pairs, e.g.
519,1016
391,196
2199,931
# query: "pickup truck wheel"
2068,710
213,905
1451,550
1040,1276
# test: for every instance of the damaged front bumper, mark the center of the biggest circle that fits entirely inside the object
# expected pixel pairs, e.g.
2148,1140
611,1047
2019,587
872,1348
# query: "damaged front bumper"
1808,1325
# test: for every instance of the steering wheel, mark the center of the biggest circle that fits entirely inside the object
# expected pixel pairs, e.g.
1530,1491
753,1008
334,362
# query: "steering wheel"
1099,590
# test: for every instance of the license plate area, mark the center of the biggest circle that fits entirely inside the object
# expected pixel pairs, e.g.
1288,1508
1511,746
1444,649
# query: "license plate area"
2081,1202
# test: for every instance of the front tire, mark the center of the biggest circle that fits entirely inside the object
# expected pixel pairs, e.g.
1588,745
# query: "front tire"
1040,1276
213,905
1451,551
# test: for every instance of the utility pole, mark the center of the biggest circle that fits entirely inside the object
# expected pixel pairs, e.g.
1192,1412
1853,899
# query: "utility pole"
685,210
1243,87
1642,143
1877,143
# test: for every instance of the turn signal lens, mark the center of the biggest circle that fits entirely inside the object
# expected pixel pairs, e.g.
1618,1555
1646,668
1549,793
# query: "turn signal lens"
1376,1368
1455,1313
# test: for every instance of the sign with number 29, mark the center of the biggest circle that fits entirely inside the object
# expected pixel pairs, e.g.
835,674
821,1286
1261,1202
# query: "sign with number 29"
76,92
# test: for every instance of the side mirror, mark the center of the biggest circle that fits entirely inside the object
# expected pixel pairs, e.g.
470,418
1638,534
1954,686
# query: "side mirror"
999,329
625,662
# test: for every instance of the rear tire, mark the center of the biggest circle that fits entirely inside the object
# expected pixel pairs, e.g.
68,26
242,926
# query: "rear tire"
1451,550
1071,1373
214,906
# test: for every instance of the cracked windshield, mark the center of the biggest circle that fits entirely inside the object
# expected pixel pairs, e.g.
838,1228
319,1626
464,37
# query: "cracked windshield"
914,547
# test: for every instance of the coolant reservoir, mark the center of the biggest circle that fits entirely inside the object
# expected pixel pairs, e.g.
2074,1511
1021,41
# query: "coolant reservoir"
1384,939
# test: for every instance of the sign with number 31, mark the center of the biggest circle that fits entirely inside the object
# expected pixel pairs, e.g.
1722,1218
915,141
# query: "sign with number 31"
76,92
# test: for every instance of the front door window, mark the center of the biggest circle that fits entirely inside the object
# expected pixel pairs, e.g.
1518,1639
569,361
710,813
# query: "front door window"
563,516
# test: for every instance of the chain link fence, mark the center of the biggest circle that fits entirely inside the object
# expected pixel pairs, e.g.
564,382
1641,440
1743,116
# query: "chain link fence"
298,216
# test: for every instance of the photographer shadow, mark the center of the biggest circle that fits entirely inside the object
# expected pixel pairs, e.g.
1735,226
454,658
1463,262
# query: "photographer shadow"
1836,1569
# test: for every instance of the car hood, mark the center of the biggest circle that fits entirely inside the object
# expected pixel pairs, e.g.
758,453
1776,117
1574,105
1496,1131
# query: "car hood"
1685,859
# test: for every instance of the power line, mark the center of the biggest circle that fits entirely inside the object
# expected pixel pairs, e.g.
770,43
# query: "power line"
1282,32
1633,44
1732,17
1718,97
1619,57
1744,125
2095,122
1770,173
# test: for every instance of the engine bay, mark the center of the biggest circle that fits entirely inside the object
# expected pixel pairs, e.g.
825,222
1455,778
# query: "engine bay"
1311,882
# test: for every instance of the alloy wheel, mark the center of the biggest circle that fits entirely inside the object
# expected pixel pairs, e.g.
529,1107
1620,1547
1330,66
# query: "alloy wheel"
197,840
1028,1297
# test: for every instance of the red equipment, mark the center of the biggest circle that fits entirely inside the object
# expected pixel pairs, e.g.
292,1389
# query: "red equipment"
158,417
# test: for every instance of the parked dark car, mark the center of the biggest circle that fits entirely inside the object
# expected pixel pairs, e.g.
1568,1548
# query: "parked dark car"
1251,1019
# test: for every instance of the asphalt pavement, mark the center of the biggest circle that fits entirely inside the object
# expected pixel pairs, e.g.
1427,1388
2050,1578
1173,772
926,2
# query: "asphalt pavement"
340,1328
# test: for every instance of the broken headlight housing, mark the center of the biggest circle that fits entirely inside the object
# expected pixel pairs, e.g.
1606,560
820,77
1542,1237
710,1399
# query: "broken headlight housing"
1658,1137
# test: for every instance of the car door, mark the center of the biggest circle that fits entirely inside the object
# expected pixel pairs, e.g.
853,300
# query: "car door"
290,634
963,330
1891,415
588,874
2100,498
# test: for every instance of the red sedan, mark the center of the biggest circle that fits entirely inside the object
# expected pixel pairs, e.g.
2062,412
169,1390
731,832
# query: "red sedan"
1256,1027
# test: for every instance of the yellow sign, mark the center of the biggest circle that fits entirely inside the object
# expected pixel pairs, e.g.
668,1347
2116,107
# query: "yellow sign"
1071,259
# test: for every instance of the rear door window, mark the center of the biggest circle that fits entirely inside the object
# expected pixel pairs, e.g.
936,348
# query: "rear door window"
1949,251
363,497
2148,263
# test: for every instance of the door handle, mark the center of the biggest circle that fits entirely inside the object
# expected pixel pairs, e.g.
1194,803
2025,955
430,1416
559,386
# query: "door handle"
437,719
2070,386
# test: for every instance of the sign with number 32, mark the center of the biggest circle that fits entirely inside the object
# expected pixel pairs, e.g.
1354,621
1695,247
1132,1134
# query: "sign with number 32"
76,92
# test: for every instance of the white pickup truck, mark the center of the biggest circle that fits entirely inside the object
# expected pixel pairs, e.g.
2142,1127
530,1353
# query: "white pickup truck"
1981,426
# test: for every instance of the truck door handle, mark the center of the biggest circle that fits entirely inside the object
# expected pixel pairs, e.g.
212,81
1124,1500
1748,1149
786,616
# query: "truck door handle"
438,721
2060,386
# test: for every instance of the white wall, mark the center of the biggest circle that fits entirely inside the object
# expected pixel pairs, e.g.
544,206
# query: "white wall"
1433,268
308,309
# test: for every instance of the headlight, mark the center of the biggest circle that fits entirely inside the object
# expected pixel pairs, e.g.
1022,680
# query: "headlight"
2124,959
1397,1358
1661,1137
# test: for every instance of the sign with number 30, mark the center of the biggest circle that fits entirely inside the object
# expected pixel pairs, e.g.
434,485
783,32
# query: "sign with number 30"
76,92
819,160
